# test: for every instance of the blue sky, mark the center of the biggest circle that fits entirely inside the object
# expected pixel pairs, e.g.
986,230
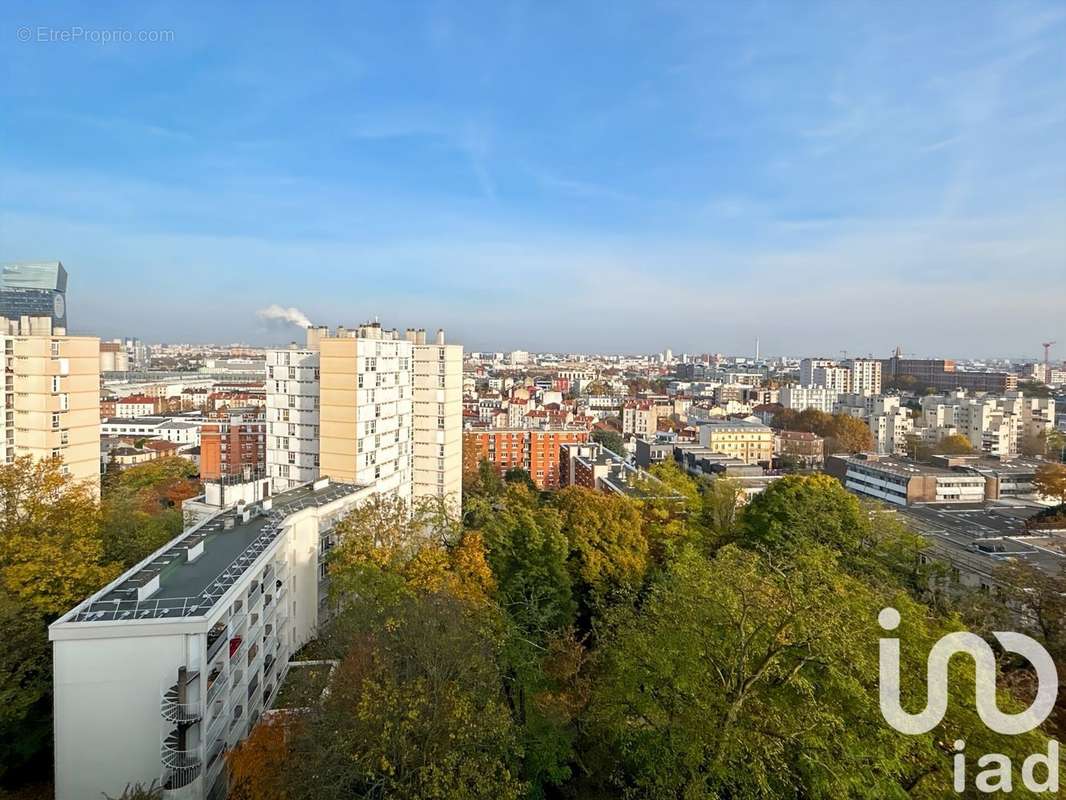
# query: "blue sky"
610,176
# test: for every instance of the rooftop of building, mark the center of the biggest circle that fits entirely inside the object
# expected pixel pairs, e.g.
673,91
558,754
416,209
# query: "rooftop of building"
895,465
983,535
738,424
231,542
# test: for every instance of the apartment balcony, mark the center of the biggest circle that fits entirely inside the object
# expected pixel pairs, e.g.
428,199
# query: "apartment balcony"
216,759
217,726
216,682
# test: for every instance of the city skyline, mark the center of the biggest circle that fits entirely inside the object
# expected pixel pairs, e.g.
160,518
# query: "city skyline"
808,176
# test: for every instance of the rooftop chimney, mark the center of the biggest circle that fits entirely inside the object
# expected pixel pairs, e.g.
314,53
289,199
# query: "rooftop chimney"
440,335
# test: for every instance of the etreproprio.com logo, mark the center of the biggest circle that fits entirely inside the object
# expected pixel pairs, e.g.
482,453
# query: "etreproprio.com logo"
998,772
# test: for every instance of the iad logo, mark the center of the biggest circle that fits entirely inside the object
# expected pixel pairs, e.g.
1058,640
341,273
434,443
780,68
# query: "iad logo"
999,776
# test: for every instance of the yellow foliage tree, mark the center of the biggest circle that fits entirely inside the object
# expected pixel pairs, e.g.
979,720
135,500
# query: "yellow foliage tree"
256,765
51,554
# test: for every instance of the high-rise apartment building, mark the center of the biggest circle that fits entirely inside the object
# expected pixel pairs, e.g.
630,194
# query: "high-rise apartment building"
367,405
437,468
859,375
365,408
292,399
864,375
52,396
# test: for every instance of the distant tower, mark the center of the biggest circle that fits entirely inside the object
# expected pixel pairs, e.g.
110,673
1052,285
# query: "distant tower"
756,348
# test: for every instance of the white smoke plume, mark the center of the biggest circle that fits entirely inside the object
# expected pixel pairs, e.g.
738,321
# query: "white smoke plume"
276,313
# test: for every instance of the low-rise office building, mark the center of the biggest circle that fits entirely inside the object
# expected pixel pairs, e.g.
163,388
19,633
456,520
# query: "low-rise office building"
896,480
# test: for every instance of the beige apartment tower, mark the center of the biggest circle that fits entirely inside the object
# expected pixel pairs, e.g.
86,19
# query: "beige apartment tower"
387,411
438,419
52,396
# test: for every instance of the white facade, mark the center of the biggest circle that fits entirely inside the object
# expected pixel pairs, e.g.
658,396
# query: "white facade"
160,672
178,431
292,397
994,424
800,398
865,375
368,406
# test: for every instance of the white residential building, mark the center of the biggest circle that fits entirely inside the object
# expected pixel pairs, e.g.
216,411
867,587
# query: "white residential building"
994,424
808,367
167,667
292,396
367,405
865,375
800,398
169,429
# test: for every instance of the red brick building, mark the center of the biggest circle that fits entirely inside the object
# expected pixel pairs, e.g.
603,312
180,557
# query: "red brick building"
534,450
233,446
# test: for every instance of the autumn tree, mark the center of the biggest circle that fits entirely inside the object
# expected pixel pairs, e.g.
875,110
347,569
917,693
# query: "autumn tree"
1050,481
608,552
749,676
955,444
519,475
414,712
848,434
51,554
257,764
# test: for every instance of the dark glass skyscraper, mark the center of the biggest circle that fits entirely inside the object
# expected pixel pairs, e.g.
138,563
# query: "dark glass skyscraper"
37,289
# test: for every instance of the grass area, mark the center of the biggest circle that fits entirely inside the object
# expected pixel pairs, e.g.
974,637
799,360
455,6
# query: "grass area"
303,685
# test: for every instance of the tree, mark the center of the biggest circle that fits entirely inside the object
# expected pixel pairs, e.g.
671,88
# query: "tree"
1050,481
414,712
721,501
798,511
1056,445
610,440
257,765
527,552
1034,389
519,475
155,485
747,676
25,685
1034,444
955,444
707,691
51,554
848,434
608,551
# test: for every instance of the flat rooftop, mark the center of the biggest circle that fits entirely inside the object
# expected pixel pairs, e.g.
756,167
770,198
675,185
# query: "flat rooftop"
903,467
983,535
191,588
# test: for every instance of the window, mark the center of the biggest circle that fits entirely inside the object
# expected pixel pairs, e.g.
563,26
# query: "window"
55,421
55,348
